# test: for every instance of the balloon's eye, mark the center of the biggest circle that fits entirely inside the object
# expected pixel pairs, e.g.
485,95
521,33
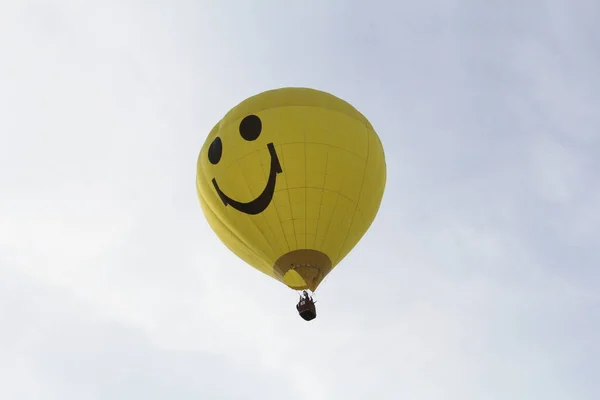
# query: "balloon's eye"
215,151
250,127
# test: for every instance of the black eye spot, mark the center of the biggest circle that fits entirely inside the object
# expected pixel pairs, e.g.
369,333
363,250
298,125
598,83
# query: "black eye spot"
215,151
250,127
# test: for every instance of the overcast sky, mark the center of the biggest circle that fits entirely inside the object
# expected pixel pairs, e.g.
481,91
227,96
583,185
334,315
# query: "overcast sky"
477,281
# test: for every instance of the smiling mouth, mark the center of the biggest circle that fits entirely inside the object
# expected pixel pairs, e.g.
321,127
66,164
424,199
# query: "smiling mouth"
259,204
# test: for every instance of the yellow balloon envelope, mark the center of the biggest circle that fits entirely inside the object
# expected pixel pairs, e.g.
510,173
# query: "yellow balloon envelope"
290,180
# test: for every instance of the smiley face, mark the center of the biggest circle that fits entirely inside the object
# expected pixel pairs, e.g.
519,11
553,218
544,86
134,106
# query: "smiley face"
289,180
250,129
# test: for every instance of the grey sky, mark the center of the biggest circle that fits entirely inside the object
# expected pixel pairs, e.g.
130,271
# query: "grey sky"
484,285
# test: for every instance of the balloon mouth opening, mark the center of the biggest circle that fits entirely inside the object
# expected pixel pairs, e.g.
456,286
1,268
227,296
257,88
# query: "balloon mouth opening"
302,269
297,280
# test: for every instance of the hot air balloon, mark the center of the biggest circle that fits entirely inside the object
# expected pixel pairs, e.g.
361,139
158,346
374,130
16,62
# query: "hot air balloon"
290,180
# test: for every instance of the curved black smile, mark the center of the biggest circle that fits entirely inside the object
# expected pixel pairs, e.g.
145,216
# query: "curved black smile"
259,204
